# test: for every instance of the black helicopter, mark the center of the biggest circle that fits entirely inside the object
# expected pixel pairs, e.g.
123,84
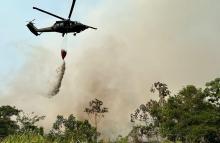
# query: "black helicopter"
64,26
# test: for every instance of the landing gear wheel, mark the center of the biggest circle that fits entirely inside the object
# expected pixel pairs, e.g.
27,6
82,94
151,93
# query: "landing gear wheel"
74,34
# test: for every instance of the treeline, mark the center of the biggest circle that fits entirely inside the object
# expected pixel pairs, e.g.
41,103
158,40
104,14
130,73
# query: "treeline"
190,116
19,127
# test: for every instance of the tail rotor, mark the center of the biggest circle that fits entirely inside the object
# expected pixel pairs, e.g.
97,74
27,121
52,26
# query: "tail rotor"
32,21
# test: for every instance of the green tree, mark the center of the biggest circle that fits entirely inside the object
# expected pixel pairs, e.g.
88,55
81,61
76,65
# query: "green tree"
212,91
192,115
7,124
149,115
189,117
27,123
71,130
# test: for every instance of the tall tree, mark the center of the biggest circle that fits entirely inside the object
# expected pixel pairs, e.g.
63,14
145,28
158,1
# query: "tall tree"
150,114
95,112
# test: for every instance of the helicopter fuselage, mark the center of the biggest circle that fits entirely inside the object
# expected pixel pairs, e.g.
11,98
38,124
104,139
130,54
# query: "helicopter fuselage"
63,27
68,27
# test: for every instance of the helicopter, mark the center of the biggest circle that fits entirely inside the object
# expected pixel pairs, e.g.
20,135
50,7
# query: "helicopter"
64,26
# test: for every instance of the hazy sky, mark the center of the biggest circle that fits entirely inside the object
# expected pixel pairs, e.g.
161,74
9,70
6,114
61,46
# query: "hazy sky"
137,43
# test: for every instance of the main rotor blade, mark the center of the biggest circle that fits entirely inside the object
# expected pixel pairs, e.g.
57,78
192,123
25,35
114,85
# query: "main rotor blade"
71,10
49,13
